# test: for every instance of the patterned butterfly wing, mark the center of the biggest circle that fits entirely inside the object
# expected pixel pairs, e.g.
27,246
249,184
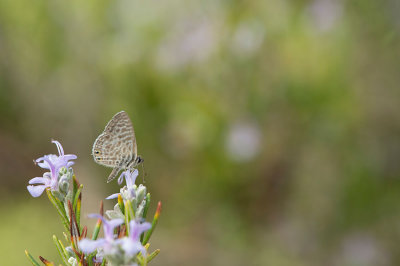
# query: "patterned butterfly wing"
116,146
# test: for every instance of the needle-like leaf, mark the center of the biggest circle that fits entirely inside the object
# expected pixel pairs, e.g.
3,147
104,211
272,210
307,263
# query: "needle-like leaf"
96,229
61,250
59,207
153,225
46,262
31,259
153,255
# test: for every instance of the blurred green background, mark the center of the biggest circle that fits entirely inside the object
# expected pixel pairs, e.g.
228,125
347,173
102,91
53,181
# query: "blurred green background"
270,129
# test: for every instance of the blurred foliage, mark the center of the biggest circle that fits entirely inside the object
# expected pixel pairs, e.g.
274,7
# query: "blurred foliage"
270,129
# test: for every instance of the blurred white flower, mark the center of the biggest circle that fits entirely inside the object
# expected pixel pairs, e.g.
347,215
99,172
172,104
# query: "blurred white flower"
325,14
243,141
191,42
248,38
361,249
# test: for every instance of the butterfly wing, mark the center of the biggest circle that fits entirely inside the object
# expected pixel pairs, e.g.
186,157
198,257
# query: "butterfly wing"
116,146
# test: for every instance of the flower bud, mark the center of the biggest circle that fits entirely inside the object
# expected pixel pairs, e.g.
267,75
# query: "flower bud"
72,261
140,193
63,184
128,193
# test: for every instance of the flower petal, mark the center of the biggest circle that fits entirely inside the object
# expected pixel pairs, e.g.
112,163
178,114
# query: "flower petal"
98,216
108,228
131,247
115,222
136,229
43,164
113,196
70,157
36,191
52,167
39,159
121,178
38,180
88,246
130,177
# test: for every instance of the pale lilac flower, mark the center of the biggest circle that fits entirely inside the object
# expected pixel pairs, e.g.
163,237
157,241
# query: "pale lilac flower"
50,179
56,162
128,191
131,244
106,244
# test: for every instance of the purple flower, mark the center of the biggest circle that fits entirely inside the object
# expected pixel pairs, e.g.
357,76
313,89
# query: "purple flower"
128,191
131,244
56,162
50,179
88,246
130,177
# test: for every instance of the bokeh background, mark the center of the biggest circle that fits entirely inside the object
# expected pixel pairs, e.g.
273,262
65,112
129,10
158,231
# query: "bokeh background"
270,129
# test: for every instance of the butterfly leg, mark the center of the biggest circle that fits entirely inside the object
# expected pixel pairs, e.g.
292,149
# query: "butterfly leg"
113,174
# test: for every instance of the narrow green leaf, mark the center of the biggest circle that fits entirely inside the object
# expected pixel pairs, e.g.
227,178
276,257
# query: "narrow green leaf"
96,229
60,250
31,259
147,205
153,255
63,249
74,230
75,185
132,210
134,204
153,225
141,260
78,212
146,208
76,195
66,237
58,202
127,214
59,207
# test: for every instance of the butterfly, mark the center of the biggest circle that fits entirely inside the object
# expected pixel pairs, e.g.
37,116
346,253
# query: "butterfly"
116,146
